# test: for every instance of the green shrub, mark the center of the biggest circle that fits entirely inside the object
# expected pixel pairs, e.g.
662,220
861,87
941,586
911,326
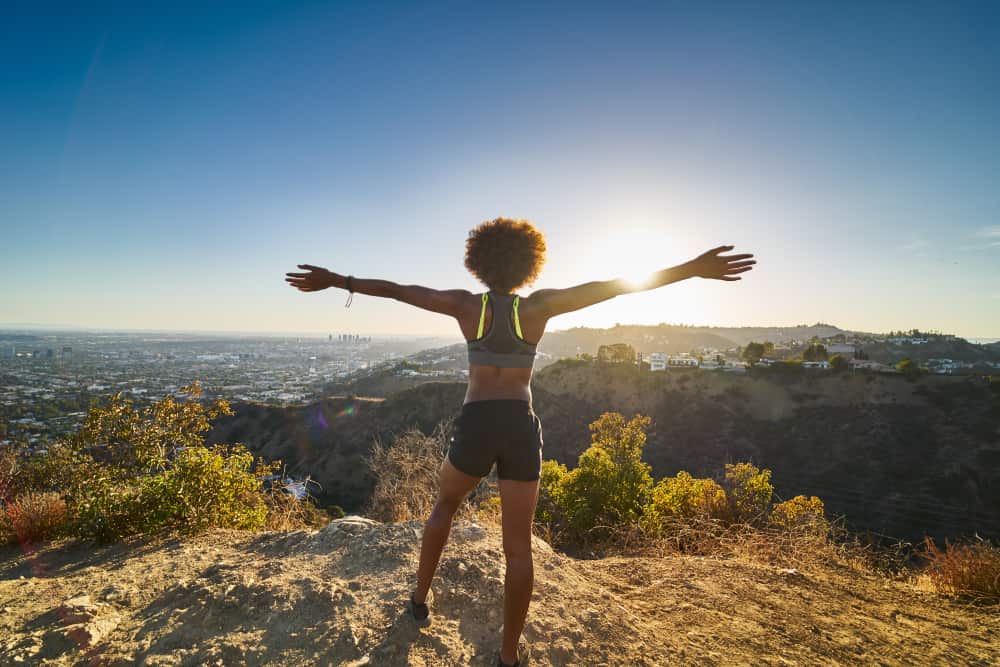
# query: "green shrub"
64,469
800,514
9,472
548,511
749,491
683,497
202,487
130,471
611,484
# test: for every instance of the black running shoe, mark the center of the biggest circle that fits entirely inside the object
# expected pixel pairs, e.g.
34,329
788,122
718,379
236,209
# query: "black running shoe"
419,611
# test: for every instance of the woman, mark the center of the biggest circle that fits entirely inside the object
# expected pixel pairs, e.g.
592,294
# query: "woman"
497,424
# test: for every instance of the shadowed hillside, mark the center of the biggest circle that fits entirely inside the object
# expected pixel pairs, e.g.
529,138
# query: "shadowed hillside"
897,457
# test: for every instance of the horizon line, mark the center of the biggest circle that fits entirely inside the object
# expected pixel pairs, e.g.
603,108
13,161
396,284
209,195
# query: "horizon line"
69,328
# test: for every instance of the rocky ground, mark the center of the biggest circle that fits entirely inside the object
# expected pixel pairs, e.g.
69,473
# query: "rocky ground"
335,596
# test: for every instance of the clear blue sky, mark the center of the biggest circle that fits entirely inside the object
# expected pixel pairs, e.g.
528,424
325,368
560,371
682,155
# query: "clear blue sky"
163,167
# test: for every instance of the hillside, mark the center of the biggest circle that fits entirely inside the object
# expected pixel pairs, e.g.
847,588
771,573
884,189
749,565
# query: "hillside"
674,338
897,457
334,597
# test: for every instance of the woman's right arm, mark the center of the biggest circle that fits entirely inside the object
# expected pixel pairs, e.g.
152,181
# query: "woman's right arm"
711,264
456,303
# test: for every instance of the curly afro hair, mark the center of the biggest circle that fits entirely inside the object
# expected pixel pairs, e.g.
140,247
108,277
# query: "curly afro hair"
505,254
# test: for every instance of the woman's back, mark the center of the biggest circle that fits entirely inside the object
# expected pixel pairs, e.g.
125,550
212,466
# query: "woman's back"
489,382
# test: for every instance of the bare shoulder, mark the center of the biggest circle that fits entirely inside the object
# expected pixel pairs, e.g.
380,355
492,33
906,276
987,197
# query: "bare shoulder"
540,304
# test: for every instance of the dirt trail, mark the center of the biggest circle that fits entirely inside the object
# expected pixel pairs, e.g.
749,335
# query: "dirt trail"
334,597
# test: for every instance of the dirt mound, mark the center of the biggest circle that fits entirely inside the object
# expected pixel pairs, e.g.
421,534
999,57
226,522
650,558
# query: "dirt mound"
335,596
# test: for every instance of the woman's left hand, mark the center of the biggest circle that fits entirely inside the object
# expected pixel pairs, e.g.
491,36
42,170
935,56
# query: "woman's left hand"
317,279
712,264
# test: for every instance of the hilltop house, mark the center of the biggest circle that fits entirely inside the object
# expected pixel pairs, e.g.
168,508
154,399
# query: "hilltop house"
682,360
844,349
657,361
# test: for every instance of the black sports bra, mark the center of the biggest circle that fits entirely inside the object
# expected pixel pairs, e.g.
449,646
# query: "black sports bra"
502,345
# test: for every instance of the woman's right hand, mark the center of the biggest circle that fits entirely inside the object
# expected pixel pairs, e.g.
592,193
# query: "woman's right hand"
316,279
712,264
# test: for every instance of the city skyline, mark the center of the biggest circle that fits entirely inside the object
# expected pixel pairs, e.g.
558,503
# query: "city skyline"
163,167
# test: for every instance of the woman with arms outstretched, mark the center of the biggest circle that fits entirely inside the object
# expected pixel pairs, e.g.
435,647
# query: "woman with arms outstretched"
497,424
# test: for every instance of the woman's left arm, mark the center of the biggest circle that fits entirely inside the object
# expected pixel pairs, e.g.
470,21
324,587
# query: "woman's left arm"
447,302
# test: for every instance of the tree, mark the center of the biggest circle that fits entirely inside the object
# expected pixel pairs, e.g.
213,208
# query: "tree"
838,363
753,352
815,352
611,484
908,368
618,353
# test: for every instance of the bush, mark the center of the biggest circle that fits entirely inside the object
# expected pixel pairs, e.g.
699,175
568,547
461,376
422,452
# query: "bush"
9,472
129,471
548,510
611,484
749,491
969,571
203,487
34,517
63,470
683,497
800,514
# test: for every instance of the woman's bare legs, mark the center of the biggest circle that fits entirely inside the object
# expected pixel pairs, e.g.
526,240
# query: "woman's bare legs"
454,486
518,502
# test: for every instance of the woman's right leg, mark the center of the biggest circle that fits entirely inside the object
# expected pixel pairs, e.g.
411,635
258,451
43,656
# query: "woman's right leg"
518,501
454,486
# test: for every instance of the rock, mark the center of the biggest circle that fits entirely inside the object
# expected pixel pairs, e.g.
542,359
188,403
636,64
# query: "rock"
468,533
77,610
89,634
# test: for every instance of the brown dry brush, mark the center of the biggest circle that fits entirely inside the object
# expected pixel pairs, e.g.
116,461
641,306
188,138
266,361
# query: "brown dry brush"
802,546
406,478
33,517
970,571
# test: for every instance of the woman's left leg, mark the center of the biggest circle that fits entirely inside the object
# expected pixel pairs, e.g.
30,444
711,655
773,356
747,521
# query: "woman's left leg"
455,485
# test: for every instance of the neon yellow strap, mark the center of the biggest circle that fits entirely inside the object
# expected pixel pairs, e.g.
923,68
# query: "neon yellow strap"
482,317
517,322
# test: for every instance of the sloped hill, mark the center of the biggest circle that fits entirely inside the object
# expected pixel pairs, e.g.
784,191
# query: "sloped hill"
897,457
330,440
334,597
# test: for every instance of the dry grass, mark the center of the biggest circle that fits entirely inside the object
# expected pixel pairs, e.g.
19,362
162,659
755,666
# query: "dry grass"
970,571
801,547
406,480
406,475
286,512
34,517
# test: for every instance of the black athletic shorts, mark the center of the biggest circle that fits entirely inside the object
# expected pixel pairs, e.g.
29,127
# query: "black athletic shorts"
505,432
